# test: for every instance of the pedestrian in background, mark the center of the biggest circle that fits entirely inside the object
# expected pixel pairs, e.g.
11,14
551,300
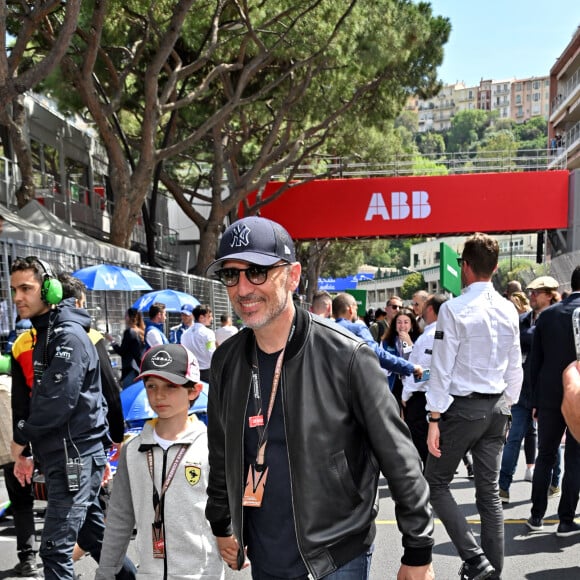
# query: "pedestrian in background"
155,326
476,375
553,349
176,332
399,340
322,304
132,346
523,423
200,339
413,395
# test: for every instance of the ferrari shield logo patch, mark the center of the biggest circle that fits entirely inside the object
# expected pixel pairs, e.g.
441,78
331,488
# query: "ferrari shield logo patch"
192,474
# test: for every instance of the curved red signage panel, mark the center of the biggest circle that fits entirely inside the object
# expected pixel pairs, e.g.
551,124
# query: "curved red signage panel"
409,206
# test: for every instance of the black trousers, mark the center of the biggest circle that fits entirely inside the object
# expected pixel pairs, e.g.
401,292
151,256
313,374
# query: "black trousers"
415,416
551,428
22,501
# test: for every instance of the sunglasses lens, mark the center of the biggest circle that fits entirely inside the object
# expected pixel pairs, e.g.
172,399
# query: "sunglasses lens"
257,274
229,276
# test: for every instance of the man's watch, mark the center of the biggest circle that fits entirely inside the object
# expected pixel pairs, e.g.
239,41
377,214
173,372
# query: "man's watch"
432,419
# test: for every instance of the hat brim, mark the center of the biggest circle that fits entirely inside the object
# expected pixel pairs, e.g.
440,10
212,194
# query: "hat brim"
172,378
250,257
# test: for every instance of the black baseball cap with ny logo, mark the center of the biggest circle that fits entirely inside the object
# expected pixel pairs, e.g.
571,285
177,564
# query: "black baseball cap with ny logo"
254,240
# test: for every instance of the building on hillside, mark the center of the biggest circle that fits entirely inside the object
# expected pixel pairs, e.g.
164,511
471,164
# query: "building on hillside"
530,98
465,98
564,121
517,99
500,97
435,114
484,95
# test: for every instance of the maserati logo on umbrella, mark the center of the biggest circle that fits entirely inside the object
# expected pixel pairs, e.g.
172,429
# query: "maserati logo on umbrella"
110,280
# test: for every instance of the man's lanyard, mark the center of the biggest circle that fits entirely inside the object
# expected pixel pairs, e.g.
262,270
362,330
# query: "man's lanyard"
258,419
157,497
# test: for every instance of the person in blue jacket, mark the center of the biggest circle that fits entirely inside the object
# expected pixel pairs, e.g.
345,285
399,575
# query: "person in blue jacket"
344,310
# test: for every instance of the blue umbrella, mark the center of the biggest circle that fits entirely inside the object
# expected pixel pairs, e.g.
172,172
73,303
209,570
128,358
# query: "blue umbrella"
109,277
137,410
172,299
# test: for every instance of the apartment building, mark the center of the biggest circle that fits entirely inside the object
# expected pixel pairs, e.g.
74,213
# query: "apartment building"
564,120
501,98
465,98
530,97
517,99
435,114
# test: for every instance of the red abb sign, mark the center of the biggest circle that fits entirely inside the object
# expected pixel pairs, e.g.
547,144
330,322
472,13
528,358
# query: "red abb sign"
412,206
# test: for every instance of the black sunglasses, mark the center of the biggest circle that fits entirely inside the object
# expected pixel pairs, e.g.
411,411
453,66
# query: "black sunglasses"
256,275
460,261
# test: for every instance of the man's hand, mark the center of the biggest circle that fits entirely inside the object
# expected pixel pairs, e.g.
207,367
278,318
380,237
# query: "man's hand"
418,372
23,470
16,450
229,547
571,398
107,475
433,440
416,572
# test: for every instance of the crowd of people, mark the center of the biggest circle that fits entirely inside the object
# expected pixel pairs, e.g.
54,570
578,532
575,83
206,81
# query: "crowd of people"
301,405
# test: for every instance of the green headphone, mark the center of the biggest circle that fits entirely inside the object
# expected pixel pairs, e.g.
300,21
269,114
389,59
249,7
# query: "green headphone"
51,289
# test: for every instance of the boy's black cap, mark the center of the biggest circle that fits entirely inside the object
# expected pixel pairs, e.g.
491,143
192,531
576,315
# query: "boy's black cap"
171,362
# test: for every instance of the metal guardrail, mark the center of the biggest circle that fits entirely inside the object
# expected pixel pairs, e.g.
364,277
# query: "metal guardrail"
436,164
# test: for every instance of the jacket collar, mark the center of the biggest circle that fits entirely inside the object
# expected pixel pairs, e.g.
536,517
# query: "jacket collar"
302,320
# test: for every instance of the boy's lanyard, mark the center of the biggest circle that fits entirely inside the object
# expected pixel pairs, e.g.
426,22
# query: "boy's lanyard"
157,497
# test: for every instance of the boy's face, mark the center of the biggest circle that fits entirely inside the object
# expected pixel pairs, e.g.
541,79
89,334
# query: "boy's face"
169,400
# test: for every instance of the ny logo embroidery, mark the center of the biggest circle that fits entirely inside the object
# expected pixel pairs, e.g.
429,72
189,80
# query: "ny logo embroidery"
240,236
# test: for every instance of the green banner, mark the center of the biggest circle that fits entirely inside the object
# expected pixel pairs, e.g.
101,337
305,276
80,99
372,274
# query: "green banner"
361,299
449,269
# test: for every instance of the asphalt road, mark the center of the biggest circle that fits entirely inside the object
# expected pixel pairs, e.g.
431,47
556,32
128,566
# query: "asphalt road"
532,556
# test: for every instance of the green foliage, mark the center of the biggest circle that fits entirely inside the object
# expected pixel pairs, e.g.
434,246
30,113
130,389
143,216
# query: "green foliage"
409,120
431,143
499,147
422,166
516,269
467,128
413,282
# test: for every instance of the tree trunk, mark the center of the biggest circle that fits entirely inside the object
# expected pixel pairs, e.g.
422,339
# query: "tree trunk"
208,243
15,124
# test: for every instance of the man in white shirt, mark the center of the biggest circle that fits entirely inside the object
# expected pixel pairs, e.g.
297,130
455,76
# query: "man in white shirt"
226,330
322,304
414,390
476,375
200,339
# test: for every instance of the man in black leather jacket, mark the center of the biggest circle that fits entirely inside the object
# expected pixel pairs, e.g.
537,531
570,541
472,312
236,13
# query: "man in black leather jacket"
302,405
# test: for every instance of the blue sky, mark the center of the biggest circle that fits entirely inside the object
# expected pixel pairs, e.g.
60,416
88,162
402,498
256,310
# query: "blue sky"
502,39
